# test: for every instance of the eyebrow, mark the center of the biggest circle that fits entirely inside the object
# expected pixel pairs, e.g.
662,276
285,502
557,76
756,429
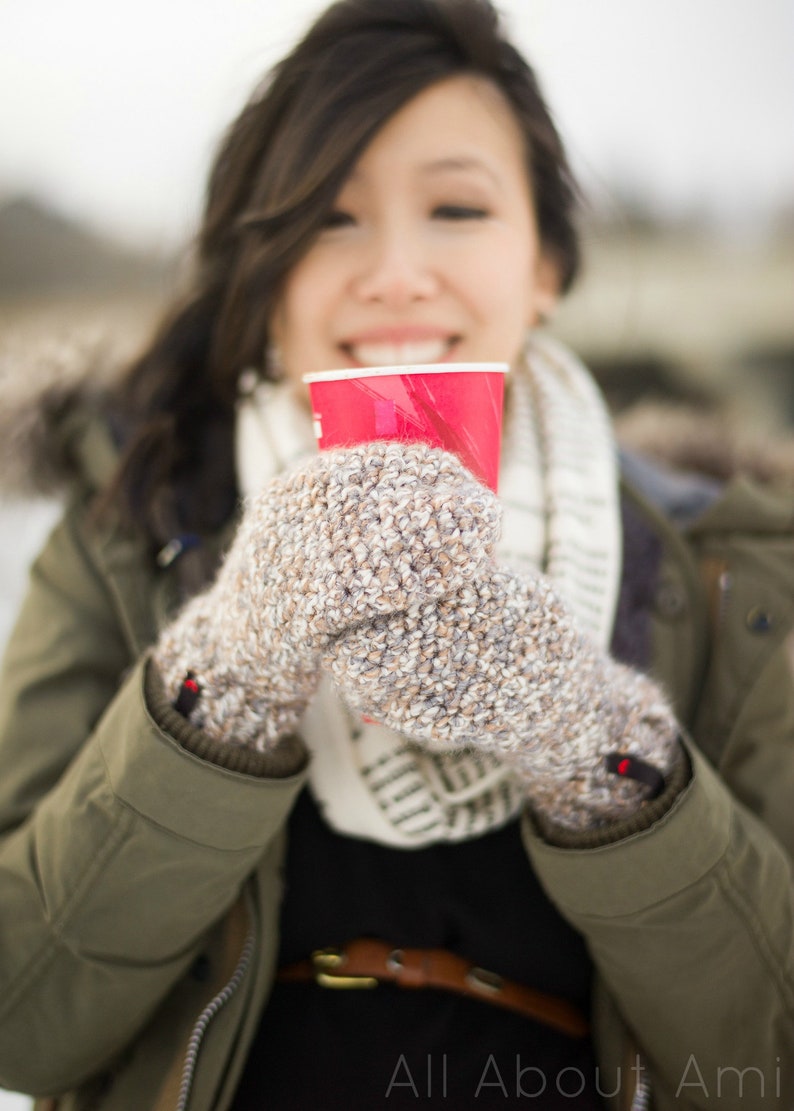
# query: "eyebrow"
457,163
450,163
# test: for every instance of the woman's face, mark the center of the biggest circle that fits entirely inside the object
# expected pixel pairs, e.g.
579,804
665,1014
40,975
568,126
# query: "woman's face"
431,252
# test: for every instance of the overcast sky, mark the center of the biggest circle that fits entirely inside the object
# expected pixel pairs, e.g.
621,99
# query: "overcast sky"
113,109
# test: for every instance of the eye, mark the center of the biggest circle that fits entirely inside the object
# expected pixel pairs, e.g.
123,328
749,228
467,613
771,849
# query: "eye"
459,212
337,218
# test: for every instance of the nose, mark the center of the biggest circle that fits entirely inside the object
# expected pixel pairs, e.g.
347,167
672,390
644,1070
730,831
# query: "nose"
396,271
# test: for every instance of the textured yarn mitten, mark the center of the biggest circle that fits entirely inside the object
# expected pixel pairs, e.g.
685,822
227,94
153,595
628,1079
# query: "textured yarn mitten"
502,667
351,536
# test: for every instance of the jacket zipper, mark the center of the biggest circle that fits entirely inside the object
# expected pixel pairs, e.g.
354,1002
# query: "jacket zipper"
205,1018
642,1095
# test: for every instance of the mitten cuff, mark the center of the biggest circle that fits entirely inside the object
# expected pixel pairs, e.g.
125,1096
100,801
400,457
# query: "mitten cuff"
246,695
612,750
646,815
285,758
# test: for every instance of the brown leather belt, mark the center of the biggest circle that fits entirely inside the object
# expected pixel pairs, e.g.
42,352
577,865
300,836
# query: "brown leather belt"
366,962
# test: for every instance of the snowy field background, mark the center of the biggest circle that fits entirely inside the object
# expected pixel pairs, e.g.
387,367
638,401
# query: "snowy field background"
24,527
11,1102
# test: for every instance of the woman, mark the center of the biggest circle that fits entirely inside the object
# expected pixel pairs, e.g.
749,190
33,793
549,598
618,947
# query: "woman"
372,715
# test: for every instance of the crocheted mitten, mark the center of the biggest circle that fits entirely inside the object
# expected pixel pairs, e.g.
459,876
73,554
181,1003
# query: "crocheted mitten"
351,536
502,667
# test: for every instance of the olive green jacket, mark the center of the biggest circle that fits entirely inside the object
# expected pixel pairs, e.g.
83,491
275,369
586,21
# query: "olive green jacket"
140,878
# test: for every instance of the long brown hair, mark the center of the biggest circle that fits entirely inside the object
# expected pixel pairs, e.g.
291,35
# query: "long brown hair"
275,177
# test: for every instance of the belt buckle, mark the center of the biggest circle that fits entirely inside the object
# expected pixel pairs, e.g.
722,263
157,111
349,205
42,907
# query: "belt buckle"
326,961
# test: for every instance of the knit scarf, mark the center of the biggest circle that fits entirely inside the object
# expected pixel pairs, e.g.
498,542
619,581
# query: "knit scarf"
559,495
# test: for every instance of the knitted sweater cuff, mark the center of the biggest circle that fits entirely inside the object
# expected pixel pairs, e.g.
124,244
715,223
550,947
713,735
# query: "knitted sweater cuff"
647,814
284,759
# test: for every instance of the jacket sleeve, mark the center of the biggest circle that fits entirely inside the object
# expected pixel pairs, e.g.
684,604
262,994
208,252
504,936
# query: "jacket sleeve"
690,923
119,847
690,915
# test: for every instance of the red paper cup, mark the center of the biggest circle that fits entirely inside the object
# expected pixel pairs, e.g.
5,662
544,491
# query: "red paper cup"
455,406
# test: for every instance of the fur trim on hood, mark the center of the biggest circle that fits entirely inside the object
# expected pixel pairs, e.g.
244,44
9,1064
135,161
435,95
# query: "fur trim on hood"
707,442
48,392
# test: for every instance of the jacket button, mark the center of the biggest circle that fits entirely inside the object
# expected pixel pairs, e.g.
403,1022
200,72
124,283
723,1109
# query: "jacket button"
670,600
759,620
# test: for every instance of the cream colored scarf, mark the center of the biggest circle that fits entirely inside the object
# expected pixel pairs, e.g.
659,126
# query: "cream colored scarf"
559,492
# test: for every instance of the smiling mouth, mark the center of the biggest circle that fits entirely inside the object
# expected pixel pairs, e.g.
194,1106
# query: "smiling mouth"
408,353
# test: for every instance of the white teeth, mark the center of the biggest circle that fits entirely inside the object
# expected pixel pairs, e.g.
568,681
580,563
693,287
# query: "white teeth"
397,354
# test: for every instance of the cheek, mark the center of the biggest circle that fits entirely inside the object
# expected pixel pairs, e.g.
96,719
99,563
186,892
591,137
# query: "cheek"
304,288
296,315
501,284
